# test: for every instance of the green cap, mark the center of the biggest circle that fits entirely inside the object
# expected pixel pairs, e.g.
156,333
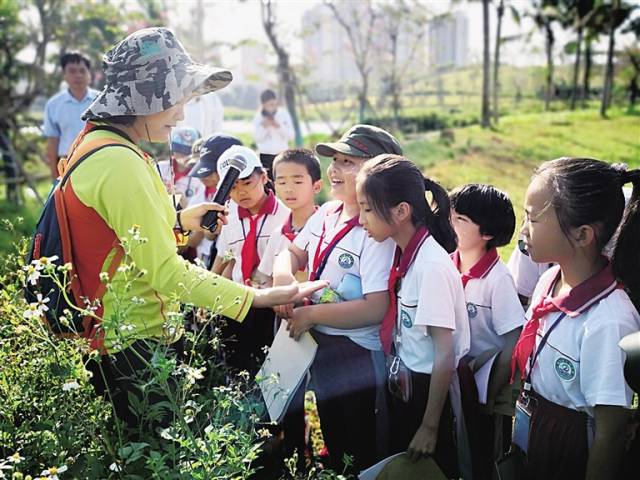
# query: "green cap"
362,141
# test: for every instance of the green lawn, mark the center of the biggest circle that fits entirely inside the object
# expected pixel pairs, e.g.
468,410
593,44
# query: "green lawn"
506,156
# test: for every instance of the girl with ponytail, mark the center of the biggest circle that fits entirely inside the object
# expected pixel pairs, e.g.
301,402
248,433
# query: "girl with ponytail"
571,416
425,331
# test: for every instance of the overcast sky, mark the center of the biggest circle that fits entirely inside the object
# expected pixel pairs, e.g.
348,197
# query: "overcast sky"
233,21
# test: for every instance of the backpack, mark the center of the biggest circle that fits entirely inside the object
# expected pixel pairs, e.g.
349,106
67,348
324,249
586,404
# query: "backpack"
52,239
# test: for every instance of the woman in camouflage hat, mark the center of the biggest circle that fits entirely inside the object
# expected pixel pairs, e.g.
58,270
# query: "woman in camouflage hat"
116,192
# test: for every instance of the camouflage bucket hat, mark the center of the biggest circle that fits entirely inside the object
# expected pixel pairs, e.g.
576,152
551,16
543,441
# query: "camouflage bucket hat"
149,72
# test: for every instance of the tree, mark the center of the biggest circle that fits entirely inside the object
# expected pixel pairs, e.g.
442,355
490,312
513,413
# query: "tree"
496,54
578,12
633,55
618,13
546,13
485,119
285,72
358,22
49,28
403,27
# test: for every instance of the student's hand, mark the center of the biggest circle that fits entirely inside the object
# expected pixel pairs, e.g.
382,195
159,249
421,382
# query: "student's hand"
423,443
284,311
299,322
270,297
191,217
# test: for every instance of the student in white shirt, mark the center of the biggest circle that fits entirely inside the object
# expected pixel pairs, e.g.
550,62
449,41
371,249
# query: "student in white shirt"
175,171
206,171
425,330
344,320
483,219
272,129
526,272
255,213
297,179
297,175
568,353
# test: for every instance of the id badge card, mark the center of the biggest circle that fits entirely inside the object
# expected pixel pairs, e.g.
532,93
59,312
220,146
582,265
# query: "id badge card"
522,422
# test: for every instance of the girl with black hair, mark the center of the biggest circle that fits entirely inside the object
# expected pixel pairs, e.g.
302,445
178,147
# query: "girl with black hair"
571,417
254,214
425,331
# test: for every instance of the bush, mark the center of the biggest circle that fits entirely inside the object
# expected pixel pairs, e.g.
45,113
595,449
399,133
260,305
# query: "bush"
423,122
53,424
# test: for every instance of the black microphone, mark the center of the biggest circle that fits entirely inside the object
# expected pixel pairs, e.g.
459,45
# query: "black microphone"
236,164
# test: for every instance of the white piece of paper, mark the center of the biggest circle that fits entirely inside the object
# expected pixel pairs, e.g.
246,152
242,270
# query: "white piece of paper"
372,472
482,376
284,369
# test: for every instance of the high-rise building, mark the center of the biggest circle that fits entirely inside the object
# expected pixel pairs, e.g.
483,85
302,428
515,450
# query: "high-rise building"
449,41
327,55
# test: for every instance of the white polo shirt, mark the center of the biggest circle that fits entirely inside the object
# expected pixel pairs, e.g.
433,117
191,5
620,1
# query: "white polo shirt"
186,186
232,236
525,272
355,254
581,365
493,308
430,295
277,243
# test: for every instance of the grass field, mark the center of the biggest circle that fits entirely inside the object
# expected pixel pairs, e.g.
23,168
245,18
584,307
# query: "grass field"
504,156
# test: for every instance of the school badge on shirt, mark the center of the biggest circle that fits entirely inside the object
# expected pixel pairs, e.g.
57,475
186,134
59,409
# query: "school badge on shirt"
472,310
405,318
565,369
345,261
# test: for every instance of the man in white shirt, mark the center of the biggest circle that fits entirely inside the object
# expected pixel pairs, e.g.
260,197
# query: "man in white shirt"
272,129
62,122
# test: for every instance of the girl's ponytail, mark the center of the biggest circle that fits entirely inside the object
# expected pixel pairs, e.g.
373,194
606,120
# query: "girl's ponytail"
438,219
626,256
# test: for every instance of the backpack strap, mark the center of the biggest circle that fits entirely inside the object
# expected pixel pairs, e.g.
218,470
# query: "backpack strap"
80,150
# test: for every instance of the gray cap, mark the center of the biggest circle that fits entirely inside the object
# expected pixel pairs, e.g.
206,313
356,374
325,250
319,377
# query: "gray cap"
149,72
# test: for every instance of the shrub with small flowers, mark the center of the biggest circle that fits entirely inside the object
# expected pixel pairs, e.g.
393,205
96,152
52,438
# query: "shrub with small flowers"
54,426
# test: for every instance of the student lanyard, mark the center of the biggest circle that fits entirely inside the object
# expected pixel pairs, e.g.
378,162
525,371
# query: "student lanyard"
321,256
534,357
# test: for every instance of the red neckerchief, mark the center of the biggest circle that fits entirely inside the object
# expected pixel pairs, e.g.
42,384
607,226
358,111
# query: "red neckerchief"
401,263
176,174
482,267
578,300
321,255
250,256
209,192
287,228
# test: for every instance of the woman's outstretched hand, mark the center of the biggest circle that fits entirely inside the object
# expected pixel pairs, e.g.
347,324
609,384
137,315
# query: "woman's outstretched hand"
286,294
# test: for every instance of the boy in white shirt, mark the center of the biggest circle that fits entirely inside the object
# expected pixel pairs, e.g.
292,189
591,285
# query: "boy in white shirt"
483,219
297,180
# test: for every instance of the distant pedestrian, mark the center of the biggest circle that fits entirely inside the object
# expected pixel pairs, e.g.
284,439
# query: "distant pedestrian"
272,129
62,122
